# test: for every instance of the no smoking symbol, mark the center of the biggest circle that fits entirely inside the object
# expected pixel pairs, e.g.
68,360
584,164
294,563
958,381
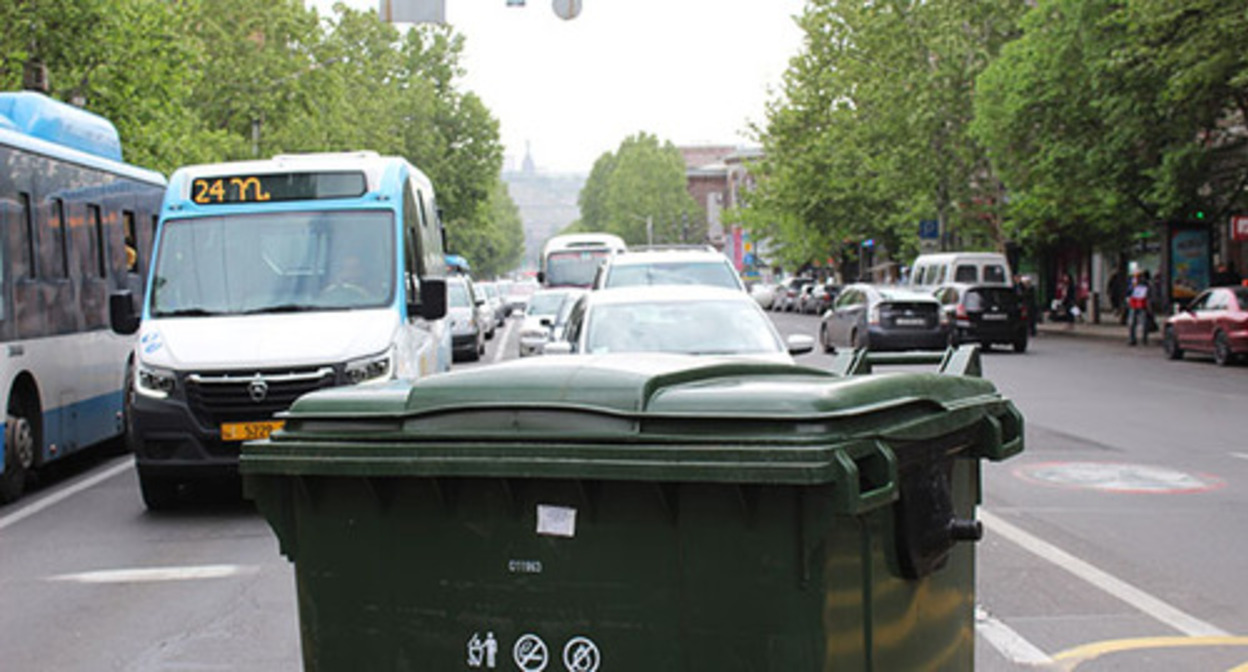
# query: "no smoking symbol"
530,654
581,655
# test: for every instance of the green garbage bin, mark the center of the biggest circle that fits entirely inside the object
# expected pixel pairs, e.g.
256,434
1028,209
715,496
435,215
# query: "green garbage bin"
629,514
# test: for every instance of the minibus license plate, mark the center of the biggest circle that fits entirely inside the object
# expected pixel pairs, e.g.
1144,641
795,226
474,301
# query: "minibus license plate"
249,431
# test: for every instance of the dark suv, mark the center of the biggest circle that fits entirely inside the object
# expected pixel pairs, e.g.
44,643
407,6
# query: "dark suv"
985,314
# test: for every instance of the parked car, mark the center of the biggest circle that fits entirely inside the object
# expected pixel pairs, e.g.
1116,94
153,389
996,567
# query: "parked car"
765,293
516,298
985,314
786,301
465,319
883,318
1215,322
806,299
700,321
668,265
817,297
560,325
539,318
498,309
825,295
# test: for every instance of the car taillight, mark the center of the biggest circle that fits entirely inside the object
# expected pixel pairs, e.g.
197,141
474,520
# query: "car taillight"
873,315
961,312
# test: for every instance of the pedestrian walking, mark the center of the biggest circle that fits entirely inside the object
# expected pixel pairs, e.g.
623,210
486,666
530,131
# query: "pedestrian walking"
1138,308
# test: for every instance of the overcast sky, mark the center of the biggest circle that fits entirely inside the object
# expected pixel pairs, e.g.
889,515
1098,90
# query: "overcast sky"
688,71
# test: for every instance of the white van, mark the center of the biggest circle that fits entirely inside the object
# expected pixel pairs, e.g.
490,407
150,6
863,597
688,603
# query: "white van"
987,268
271,279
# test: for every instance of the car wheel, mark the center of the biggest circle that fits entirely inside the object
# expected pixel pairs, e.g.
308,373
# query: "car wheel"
1170,343
1020,342
1222,354
823,339
954,339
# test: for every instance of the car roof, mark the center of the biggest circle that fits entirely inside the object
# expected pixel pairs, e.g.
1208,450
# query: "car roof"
964,286
666,294
892,292
675,253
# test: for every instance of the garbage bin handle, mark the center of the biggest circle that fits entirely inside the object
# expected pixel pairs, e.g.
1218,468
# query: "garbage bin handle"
1001,437
868,472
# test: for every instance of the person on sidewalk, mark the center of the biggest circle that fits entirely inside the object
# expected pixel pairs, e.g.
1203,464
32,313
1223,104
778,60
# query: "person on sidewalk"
1137,308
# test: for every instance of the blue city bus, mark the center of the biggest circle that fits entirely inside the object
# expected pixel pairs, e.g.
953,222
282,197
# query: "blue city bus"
271,279
78,226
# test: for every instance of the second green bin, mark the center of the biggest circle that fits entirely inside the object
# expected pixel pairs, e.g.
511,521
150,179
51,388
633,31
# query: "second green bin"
657,513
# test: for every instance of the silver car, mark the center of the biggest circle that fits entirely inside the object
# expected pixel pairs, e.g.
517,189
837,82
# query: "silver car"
883,318
696,320
539,318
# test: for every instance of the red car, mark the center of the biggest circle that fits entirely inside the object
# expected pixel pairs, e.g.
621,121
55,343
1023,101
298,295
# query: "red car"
1216,322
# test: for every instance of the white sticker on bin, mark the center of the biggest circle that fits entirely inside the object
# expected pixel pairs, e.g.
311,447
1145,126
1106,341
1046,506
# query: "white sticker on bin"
556,521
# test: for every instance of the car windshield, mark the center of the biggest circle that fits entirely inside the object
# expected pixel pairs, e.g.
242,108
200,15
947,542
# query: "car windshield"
457,295
545,303
692,327
988,297
249,263
713,273
573,268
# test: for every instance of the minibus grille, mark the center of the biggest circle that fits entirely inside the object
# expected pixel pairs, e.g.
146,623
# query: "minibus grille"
230,396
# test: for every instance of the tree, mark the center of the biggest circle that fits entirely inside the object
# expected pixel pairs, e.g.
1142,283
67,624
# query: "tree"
644,180
869,134
1105,117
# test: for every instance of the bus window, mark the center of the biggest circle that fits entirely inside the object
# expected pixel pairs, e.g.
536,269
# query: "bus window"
28,230
58,254
132,247
101,250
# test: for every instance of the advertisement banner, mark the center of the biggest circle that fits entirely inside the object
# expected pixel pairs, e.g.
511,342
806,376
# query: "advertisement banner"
1189,262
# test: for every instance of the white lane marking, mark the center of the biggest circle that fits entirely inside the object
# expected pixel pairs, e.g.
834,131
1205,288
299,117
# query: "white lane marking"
1007,642
500,341
1146,603
152,574
62,495
1242,456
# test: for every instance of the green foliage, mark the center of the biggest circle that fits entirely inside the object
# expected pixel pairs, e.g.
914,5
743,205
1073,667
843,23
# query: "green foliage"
642,180
200,81
1106,116
870,133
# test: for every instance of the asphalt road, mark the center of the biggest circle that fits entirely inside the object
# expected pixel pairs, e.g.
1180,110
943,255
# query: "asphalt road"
1114,542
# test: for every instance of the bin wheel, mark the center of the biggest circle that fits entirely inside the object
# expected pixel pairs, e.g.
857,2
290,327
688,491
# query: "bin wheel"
1222,354
21,440
159,494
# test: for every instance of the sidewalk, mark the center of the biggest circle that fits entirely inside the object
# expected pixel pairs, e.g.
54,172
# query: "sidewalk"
1107,329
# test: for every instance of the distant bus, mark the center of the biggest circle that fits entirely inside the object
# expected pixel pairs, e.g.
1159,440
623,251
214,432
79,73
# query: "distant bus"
271,279
77,227
570,260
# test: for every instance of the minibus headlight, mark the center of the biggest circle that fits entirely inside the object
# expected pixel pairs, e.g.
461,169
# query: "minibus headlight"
155,383
378,367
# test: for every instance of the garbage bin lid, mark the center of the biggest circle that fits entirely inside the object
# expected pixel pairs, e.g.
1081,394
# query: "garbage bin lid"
665,417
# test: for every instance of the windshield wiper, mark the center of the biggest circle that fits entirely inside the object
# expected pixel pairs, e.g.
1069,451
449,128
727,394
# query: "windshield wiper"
187,312
284,308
